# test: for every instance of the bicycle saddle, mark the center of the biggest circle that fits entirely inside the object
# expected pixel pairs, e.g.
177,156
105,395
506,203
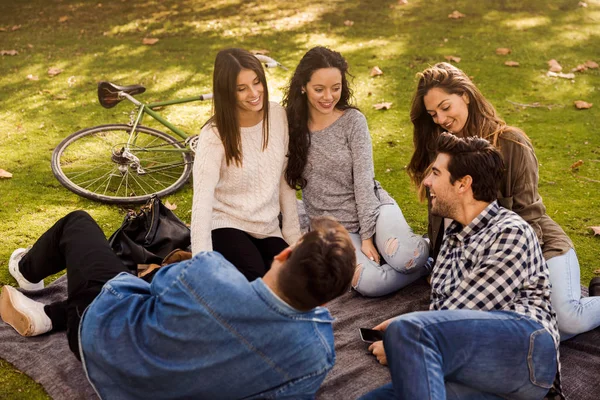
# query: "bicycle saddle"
108,93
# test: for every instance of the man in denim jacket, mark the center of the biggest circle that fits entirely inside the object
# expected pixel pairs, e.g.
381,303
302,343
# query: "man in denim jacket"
200,329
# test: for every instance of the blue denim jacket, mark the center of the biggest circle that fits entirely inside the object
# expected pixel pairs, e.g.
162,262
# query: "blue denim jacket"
201,330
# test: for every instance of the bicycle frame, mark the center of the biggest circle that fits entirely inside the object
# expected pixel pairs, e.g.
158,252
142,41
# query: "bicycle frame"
148,109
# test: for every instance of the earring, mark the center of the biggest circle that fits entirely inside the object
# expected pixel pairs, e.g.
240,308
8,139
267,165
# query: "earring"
303,91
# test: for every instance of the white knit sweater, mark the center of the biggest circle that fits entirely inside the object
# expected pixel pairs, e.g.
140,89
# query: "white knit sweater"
250,197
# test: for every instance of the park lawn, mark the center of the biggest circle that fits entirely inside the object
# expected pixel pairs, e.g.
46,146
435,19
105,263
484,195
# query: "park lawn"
94,41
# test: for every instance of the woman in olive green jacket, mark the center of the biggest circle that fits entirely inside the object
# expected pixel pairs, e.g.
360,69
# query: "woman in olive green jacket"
447,100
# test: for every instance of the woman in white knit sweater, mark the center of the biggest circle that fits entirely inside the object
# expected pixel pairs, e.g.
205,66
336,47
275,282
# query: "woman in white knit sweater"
239,184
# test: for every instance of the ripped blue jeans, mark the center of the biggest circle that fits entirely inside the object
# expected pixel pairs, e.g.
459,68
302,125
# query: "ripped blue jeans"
403,255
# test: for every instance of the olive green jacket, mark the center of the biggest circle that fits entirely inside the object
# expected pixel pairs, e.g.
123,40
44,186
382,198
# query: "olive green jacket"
519,193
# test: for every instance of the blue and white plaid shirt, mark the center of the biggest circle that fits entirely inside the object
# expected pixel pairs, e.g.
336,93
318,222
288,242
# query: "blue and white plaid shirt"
495,263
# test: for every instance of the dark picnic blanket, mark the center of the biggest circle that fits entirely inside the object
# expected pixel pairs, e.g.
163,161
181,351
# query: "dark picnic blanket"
48,360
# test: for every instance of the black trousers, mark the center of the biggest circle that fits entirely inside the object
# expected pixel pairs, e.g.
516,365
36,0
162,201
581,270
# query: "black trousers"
75,243
251,256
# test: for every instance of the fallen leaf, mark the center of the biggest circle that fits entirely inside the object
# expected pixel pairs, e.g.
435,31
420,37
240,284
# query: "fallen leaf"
149,41
30,46
170,206
582,4
64,18
551,74
376,71
402,2
596,230
591,64
579,68
71,81
382,106
261,52
511,63
452,58
8,52
5,174
15,28
348,22
33,77
2,29
59,97
54,71
554,66
502,51
456,15
577,164
582,105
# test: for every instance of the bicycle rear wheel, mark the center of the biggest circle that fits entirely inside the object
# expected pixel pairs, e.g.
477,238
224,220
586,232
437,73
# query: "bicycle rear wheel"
99,164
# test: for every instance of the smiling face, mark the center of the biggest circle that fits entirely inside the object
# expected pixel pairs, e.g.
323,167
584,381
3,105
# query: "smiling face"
323,91
443,194
450,111
249,92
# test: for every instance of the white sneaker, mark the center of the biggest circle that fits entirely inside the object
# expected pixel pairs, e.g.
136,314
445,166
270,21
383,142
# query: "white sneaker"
25,315
13,268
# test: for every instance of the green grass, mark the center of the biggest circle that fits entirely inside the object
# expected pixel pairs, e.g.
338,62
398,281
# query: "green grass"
103,41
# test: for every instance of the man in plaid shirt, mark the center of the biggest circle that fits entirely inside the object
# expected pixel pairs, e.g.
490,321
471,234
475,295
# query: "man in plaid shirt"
491,332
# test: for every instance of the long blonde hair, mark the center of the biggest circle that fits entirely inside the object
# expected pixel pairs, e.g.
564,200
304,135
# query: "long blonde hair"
482,121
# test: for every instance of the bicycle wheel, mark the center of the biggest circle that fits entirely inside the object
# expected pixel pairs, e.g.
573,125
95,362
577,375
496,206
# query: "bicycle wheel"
99,164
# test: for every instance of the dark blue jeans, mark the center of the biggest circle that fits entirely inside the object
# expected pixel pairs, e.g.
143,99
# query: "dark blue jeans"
464,354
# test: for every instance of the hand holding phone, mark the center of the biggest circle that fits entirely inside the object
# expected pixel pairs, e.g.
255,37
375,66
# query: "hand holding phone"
370,335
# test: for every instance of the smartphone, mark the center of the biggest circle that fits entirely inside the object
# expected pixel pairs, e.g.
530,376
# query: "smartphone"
370,335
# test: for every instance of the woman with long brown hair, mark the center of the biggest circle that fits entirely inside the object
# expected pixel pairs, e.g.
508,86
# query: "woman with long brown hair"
447,100
239,183
331,160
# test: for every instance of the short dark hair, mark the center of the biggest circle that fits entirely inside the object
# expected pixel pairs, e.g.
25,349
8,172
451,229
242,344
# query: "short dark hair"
476,157
320,267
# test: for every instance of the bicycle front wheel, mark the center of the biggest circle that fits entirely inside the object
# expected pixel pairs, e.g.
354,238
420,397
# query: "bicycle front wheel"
108,163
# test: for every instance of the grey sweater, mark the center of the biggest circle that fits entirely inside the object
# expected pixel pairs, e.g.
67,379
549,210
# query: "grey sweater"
340,175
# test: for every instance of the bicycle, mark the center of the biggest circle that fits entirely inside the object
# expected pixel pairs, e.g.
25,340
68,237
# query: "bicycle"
129,163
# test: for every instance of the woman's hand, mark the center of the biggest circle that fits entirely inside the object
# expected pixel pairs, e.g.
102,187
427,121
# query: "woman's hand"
378,351
369,250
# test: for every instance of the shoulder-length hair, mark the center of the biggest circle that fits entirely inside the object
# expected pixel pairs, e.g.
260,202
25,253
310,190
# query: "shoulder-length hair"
482,121
228,64
296,107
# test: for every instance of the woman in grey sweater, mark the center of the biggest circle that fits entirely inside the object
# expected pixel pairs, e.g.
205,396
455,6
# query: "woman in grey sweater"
331,161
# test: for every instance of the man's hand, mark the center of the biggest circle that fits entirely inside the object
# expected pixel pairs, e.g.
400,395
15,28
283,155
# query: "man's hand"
369,250
378,351
377,347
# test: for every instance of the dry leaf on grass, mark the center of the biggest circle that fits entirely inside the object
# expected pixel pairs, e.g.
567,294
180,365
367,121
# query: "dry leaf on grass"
511,63
149,41
8,52
577,164
64,18
502,51
33,77
5,174
59,97
382,106
376,71
452,58
170,206
596,230
551,74
402,2
582,4
579,68
456,15
262,52
54,71
582,105
591,64
15,28
348,22
554,66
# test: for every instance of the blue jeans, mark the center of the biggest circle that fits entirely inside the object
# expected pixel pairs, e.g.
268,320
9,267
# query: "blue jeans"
465,354
574,314
403,255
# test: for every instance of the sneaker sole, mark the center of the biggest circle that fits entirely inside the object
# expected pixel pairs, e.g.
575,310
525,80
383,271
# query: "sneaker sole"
12,316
